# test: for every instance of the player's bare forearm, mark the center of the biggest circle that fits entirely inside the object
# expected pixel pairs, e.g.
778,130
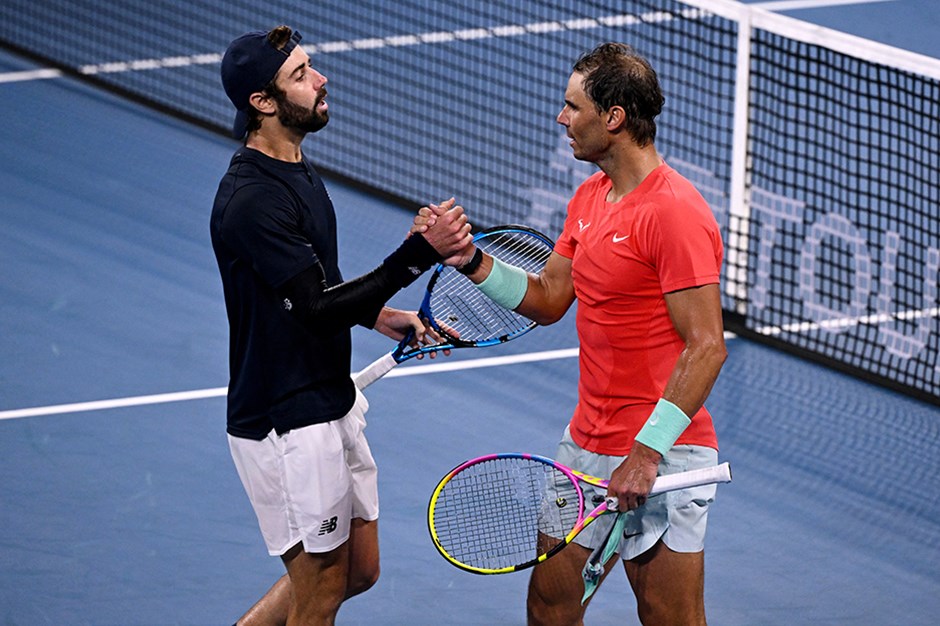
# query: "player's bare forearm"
691,381
696,314
694,375
550,294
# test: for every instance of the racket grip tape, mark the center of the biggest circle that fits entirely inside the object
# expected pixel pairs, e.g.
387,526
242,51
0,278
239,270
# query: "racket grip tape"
693,478
374,371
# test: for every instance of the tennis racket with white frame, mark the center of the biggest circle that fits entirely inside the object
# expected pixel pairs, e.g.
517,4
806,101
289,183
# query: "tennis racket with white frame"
501,513
459,312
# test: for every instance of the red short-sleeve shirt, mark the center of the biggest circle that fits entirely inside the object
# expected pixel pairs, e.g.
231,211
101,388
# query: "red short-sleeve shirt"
626,255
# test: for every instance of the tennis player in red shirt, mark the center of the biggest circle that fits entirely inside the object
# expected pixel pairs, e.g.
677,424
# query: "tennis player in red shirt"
641,252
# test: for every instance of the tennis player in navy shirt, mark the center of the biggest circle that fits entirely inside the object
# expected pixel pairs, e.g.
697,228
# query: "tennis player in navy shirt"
295,419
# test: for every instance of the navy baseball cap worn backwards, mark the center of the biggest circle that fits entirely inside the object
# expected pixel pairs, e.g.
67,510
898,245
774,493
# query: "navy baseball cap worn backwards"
249,65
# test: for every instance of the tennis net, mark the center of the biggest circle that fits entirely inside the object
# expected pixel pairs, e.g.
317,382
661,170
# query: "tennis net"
818,152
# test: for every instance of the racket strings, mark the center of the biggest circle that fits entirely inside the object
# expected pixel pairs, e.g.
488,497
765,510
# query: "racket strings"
504,512
465,312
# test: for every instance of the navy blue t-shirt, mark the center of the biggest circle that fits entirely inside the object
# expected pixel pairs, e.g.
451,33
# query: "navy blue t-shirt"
272,220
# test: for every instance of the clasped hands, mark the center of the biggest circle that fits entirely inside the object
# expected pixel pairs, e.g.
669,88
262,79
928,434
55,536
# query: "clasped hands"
436,222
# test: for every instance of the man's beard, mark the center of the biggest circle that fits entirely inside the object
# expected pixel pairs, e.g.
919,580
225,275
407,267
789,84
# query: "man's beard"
299,118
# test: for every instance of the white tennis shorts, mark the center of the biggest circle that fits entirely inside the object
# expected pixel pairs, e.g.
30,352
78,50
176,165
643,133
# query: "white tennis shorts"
307,484
678,517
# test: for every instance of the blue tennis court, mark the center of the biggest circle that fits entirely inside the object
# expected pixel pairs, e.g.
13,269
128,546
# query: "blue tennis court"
130,512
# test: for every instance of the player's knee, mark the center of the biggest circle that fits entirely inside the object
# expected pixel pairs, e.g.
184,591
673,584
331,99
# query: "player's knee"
319,609
536,611
543,610
362,580
671,613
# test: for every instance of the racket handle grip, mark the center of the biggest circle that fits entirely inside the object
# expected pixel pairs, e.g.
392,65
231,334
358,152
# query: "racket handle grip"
683,480
374,371
693,478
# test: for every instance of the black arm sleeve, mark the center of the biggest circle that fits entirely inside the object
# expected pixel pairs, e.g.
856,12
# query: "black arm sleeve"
359,301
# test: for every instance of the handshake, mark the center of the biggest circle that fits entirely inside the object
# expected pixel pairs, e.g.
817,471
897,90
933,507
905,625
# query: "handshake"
448,230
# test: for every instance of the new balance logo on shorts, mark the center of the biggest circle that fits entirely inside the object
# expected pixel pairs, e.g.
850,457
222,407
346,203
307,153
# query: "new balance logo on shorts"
327,526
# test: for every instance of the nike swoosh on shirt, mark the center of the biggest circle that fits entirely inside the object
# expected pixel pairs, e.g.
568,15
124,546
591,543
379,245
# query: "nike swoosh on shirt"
619,239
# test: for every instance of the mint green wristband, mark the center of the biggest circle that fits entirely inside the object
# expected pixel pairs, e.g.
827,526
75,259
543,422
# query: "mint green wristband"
663,427
506,284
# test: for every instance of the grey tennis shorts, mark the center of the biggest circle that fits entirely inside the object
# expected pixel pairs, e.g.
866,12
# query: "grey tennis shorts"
678,517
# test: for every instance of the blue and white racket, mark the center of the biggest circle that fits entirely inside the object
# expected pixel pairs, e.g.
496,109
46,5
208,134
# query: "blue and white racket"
459,312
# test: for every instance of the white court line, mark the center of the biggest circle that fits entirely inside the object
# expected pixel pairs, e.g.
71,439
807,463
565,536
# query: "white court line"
96,405
14,77
848,322
793,5
199,394
509,30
